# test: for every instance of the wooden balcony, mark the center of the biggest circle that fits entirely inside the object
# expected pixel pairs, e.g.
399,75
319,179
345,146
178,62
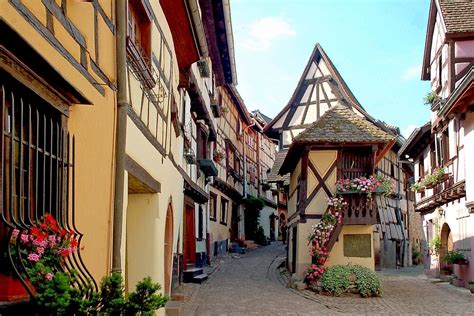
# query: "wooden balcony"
360,210
443,193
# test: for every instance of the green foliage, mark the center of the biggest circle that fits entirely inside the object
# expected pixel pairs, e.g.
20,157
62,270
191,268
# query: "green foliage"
454,256
430,98
337,280
111,297
367,281
435,245
145,299
429,180
53,296
260,237
253,206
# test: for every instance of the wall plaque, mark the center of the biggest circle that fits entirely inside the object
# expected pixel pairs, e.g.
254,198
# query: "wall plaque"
357,245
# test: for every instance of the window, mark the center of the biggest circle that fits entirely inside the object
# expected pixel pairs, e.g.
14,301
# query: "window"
421,167
202,144
139,27
392,170
200,223
440,70
212,207
298,194
443,147
224,207
35,158
433,155
139,43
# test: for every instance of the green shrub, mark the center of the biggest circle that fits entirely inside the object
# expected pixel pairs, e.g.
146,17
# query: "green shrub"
454,256
337,280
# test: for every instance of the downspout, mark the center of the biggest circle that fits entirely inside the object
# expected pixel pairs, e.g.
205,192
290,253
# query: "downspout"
404,242
120,133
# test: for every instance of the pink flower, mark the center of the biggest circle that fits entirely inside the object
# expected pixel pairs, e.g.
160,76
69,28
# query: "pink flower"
24,238
33,257
49,276
15,233
40,250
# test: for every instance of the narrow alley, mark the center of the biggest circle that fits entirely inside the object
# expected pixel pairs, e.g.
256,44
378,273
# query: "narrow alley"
252,284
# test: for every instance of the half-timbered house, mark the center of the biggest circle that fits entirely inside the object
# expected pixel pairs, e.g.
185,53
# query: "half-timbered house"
340,145
442,148
320,88
57,108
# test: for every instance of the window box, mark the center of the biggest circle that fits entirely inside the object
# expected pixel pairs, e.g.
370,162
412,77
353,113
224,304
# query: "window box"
208,167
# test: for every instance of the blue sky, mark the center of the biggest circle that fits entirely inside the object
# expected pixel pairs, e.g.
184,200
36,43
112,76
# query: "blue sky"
377,46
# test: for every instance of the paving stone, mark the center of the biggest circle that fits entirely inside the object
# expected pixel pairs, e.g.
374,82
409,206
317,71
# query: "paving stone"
253,285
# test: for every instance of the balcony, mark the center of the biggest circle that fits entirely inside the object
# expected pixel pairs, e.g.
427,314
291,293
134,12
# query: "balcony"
361,210
444,192
208,167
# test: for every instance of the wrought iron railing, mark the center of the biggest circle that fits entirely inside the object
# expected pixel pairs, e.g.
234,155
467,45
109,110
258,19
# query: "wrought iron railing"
36,177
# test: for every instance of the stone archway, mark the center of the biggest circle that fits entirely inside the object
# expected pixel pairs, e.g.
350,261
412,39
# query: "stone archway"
446,242
168,251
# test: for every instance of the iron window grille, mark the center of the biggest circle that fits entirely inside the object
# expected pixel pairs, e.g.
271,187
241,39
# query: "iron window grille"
36,176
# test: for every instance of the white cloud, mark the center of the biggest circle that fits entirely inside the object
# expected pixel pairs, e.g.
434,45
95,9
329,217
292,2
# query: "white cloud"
406,132
263,33
413,72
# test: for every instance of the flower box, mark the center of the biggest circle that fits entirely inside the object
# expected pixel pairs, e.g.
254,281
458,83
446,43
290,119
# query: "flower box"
379,190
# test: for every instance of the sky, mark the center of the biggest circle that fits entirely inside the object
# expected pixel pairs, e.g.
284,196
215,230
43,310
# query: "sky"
377,46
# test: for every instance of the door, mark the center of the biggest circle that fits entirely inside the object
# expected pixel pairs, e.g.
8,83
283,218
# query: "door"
190,237
234,232
168,249
294,244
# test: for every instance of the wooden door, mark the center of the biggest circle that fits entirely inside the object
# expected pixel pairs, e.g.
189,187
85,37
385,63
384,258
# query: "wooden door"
190,237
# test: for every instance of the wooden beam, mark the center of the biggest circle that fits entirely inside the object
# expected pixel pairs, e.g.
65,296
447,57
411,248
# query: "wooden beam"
385,151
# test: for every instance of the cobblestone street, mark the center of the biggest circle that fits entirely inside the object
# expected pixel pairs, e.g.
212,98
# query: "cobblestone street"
252,285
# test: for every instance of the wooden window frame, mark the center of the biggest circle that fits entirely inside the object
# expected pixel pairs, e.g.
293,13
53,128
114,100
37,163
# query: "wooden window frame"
213,207
224,211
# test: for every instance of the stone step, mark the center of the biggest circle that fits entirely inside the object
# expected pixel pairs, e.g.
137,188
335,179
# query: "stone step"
189,274
199,279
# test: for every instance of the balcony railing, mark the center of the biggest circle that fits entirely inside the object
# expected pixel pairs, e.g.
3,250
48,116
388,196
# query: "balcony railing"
361,210
443,193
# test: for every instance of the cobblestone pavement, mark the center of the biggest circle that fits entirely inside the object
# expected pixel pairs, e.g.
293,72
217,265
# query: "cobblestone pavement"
252,284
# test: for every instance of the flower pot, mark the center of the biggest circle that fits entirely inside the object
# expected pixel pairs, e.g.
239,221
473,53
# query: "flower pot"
11,289
462,262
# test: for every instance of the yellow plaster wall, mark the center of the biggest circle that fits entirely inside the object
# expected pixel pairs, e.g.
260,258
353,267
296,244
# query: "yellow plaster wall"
92,126
220,231
293,184
322,161
337,253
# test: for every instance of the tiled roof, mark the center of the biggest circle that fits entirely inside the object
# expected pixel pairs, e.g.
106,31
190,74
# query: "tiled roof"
274,176
458,15
341,125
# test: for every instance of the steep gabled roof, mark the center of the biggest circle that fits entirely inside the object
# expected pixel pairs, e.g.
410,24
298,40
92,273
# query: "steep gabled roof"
341,125
274,176
338,126
458,15
334,78
457,19
415,142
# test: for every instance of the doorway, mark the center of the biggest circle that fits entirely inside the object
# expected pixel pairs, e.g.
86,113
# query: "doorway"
446,242
189,253
168,248
294,244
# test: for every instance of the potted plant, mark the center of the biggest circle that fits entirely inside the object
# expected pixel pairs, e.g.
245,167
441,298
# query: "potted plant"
431,98
218,156
456,257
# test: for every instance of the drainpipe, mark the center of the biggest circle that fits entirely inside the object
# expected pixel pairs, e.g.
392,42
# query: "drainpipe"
404,244
120,134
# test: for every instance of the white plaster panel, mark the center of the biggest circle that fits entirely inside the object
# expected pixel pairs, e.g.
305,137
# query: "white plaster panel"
298,116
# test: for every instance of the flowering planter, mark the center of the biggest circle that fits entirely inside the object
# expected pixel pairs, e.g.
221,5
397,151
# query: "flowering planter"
12,289
379,190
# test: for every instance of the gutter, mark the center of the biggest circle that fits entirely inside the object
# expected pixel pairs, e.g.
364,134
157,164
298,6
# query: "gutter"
120,133
195,16
230,39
